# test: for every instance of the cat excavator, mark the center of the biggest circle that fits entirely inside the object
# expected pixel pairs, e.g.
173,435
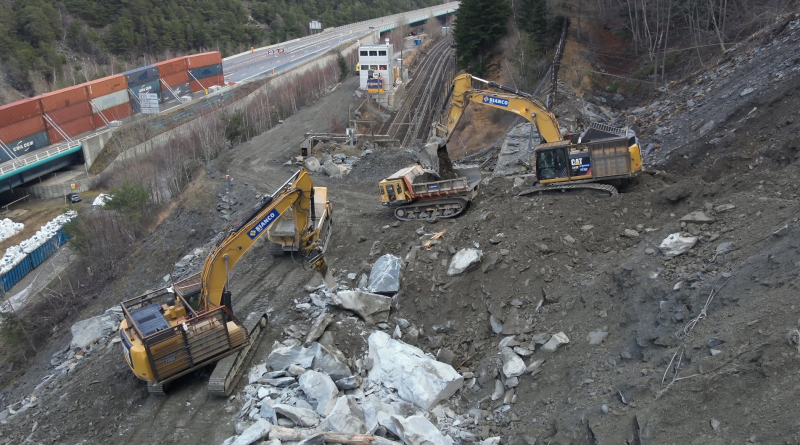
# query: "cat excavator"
172,331
562,162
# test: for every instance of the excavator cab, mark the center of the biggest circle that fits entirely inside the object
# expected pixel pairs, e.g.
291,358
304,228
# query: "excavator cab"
552,162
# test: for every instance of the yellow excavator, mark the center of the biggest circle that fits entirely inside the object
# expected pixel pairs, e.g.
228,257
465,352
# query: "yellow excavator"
172,331
562,162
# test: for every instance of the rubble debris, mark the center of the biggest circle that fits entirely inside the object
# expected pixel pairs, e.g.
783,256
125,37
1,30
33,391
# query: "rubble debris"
318,327
394,362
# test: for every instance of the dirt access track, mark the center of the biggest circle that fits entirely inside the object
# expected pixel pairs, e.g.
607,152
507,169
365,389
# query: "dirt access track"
692,349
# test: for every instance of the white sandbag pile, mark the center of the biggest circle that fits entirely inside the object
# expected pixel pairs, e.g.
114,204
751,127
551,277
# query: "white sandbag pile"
15,254
101,200
9,228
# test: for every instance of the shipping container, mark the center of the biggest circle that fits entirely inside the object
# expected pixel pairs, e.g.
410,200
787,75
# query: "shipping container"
203,59
20,110
70,113
22,129
73,129
175,79
151,87
141,75
106,85
170,67
43,252
25,145
110,101
113,114
206,71
16,273
63,98
205,83
181,90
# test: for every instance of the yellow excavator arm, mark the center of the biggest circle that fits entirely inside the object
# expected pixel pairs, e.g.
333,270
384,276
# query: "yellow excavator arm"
297,193
515,101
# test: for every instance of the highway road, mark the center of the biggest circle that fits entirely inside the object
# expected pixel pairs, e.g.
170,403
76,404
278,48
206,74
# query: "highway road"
283,56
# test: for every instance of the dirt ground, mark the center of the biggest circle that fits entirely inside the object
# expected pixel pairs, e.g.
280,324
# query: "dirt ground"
699,347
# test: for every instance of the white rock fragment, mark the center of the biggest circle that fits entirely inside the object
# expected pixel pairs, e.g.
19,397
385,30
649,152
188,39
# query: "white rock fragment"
698,217
300,416
417,430
555,342
253,433
676,244
345,417
597,336
416,377
513,366
373,308
464,261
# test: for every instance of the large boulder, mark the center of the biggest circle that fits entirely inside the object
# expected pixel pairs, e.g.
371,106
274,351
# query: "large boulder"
463,261
345,417
331,169
322,358
85,332
385,275
373,308
417,378
312,164
320,391
300,416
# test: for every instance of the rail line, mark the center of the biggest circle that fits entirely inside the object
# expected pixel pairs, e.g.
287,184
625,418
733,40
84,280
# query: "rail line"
425,89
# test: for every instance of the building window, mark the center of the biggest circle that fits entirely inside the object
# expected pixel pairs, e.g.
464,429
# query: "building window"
383,67
381,53
373,67
362,53
373,53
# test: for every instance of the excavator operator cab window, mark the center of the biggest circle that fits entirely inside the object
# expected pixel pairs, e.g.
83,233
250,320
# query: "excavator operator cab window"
552,164
390,192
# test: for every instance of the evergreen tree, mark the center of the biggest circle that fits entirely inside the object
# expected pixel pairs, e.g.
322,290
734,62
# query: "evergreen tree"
478,26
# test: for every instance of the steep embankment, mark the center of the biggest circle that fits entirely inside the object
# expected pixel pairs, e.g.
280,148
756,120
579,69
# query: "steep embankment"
695,348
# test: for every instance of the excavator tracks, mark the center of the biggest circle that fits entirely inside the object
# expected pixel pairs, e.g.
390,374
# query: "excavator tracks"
227,371
558,188
441,208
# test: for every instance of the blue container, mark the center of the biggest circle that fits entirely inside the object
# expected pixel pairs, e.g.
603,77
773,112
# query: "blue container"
141,75
150,87
417,41
205,71
44,251
182,89
25,145
17,273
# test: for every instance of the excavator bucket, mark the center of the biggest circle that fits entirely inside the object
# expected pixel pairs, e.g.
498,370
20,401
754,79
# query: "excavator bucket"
428,154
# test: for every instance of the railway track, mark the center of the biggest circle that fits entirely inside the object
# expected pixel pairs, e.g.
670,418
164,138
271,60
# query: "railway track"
425,90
